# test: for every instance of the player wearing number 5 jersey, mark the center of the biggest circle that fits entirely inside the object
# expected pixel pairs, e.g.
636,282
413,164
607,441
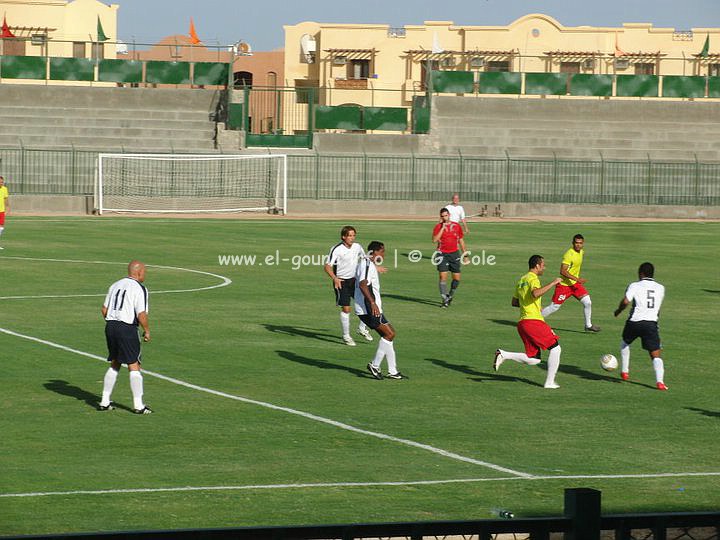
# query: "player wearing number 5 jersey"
126,306
646,296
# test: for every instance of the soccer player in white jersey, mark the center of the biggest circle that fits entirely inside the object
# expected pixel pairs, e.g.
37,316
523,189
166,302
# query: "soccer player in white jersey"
646,296
126,306
457,212
368,306
341,266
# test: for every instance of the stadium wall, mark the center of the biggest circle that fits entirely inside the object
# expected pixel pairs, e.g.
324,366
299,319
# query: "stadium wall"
83,205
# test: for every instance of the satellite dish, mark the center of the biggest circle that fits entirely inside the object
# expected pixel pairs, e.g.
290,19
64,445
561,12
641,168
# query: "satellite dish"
308,48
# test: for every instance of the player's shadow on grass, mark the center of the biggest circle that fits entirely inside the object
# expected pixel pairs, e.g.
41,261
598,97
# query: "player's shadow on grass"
411,299
312,333
481,376
64,388
705,412
711,291
595,376
322,364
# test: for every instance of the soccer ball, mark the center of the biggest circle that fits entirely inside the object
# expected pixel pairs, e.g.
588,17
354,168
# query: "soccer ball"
608,362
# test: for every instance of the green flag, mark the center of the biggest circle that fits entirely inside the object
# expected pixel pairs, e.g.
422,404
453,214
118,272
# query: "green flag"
706,47
101,35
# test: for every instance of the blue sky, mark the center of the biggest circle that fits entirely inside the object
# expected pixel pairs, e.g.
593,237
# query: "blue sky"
260,22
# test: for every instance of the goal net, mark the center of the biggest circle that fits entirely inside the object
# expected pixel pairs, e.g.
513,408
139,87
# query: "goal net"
191,183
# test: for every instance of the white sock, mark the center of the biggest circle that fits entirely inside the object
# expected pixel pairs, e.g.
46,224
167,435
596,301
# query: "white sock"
382,350
362,328
136,385
1,230
553,364
345,323
624,357
659,368
108,385
549,310
587,308
390,356
520,358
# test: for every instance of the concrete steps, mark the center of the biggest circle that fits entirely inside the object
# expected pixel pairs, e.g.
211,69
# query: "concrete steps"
575,129
136,119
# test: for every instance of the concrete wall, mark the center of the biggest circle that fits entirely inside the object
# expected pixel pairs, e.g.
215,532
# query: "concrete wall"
337,209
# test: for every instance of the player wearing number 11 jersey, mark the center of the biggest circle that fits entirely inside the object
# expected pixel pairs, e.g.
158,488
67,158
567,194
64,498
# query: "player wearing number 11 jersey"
646,296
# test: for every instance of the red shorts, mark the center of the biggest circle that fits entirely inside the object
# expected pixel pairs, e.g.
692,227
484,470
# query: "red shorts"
2,219
563,292
536,335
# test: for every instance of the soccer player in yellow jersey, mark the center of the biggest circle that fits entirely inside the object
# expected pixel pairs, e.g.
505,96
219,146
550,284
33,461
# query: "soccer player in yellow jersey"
4,204
534,331
572,284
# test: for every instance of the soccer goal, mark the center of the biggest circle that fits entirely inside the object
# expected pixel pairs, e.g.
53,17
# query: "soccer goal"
191,183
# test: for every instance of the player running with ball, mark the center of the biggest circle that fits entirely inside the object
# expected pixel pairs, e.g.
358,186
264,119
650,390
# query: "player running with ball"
534,331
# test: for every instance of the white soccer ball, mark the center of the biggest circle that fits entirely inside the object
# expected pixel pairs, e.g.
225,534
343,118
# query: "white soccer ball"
608,362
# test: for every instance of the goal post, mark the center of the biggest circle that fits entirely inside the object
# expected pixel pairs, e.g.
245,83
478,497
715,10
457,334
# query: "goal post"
191,183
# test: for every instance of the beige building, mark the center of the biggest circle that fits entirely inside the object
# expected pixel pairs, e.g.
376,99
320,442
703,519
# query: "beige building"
59,28
348,59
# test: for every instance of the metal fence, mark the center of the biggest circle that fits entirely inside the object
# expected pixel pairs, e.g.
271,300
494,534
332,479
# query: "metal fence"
421,178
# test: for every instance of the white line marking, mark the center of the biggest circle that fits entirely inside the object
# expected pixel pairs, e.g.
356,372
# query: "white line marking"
354,484
309,416
224,282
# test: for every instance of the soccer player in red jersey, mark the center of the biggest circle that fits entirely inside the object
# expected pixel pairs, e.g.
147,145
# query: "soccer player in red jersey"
448,236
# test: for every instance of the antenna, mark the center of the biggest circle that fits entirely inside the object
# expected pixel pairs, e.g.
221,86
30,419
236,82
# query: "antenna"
308,48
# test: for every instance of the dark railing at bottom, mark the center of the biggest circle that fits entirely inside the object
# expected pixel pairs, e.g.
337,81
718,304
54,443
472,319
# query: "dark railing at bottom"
582,521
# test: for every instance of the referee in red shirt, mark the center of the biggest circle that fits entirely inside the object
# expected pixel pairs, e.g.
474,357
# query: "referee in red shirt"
448,236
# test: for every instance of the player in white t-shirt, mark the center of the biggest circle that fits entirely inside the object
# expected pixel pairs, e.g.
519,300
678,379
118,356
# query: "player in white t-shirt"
368,306
341,266
646,296
125,307
457,212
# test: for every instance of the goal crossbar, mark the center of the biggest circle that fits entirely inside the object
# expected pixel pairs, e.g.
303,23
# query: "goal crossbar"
191,183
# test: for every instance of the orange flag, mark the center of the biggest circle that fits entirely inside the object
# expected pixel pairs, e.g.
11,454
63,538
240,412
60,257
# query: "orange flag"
194,39
6,33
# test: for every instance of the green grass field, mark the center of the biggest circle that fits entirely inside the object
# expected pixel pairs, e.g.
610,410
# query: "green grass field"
271,338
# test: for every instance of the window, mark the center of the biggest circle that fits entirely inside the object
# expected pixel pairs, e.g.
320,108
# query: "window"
78,49
569,67
271,78
98,51
645,68
434,65
242,78
714,70
13,47
498,65
305,88
359,69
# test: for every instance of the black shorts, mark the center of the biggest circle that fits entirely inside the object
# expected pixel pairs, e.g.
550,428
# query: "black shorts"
449,261
371,321
647,331
122,342
345,293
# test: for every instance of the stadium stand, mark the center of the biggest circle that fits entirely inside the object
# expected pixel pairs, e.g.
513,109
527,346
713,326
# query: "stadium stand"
575,128
109,119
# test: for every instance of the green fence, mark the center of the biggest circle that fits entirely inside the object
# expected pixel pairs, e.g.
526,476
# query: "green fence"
361,118
575,84
114,70
421,178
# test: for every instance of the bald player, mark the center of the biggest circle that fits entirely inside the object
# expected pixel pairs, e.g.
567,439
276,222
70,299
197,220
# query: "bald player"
126,307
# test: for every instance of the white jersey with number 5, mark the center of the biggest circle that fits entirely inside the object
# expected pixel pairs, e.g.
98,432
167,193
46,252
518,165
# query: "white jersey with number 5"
646,297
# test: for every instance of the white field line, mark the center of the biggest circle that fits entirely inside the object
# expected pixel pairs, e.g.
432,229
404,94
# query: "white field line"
356,484
224,282
303,414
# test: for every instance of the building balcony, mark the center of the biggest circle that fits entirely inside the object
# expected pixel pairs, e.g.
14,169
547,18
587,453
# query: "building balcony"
351,84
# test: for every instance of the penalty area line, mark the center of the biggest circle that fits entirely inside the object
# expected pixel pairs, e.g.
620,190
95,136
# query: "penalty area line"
326,485
309,416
